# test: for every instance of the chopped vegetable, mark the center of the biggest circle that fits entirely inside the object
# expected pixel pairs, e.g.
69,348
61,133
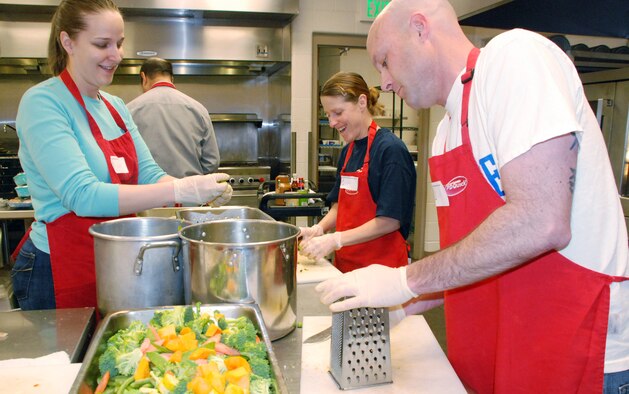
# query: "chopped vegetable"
184,351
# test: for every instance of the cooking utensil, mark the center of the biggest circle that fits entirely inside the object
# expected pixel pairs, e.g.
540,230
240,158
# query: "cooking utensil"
360,353
138,263
320,336
244,261
86,379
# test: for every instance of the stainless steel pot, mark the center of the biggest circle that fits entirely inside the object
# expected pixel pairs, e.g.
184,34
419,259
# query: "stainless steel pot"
208,214
138,263
239,261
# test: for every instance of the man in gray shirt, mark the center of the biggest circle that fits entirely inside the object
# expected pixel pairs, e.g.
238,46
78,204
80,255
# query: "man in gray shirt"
176,128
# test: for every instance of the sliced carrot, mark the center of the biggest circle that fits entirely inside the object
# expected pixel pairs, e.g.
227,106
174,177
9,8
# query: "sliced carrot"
103,384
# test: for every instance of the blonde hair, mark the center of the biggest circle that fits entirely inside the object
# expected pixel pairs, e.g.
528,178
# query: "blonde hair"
350,86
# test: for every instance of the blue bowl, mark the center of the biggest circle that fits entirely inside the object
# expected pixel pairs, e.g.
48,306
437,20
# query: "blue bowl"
22,191
20,179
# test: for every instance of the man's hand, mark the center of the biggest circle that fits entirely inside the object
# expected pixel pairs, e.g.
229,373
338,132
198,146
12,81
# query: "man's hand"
373,286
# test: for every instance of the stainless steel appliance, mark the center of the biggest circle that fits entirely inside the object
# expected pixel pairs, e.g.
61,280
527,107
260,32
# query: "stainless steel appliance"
245,181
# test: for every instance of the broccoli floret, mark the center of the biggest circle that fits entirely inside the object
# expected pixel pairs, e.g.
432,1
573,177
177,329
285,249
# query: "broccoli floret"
184,370
180,388
260,367
107,362
129,338
260,385
199,325
118,362
239,333
254,350
178,316
127,363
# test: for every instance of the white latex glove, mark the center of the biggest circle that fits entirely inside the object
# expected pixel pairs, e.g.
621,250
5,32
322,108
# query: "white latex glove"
199,189
396,315
373,286
305,233
319,247
223,198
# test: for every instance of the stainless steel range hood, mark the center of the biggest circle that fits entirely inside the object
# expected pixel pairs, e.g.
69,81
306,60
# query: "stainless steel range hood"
211,37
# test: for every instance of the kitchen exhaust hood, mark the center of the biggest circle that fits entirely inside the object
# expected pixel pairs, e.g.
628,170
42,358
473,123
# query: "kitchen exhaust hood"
205,38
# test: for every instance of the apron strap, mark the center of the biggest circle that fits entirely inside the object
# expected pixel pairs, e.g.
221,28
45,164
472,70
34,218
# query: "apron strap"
466,80
373,127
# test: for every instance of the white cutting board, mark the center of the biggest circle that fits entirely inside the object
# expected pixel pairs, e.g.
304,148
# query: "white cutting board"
40,379
419,364
310,272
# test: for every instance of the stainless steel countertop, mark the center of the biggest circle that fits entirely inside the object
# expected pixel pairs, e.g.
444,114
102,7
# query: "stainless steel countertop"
10,213
288,349
38,333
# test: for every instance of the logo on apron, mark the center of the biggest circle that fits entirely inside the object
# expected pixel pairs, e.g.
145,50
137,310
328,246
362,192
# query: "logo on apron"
456,186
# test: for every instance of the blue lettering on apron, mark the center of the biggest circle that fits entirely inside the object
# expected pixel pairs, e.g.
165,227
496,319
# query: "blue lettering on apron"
488,165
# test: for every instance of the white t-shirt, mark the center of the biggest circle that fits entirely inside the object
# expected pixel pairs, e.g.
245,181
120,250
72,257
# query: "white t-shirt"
526,91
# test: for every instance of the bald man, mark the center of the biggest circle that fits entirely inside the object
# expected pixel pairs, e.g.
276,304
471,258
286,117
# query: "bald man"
533,266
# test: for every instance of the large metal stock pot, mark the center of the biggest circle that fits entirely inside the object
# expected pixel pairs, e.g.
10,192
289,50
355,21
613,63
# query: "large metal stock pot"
138,263
240,261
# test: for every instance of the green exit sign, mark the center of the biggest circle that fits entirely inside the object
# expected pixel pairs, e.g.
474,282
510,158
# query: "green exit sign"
374,7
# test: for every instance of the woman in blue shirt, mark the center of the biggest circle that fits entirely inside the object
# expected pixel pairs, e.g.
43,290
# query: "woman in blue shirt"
85,160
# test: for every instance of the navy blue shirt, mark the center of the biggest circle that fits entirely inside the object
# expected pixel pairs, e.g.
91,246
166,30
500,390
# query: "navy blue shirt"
391,179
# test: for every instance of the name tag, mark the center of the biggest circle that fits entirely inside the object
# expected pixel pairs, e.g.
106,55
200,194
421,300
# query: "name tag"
119,165
349,183
441,197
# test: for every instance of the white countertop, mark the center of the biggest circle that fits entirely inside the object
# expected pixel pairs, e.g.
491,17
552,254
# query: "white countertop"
419,365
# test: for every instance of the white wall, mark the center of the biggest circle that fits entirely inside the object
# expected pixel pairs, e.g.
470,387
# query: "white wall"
315,16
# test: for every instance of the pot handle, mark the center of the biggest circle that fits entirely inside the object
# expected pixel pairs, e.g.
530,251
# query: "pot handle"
137,267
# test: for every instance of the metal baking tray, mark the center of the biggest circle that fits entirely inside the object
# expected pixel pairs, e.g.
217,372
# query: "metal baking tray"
207,214
88,373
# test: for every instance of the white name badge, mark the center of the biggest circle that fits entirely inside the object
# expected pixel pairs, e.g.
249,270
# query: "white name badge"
119,165
349,183
441,197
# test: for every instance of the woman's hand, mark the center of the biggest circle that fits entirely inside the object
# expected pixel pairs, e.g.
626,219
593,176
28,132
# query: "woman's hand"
321,246
201,189
306,233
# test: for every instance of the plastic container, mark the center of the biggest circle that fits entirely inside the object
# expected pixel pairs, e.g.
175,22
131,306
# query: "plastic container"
20,179
22,191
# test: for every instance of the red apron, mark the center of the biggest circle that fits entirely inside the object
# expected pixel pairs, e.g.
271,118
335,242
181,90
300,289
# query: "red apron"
71,245
539,328
356,208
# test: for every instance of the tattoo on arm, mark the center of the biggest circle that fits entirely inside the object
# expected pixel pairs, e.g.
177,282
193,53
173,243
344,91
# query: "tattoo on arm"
575,143
573,179
573,171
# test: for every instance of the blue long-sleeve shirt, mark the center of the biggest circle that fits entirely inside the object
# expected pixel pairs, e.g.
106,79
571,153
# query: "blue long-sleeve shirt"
65,167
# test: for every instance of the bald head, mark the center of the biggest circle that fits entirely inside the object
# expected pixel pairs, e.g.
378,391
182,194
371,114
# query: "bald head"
418,47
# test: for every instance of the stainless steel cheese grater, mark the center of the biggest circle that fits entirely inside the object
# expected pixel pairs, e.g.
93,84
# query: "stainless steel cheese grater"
360,353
